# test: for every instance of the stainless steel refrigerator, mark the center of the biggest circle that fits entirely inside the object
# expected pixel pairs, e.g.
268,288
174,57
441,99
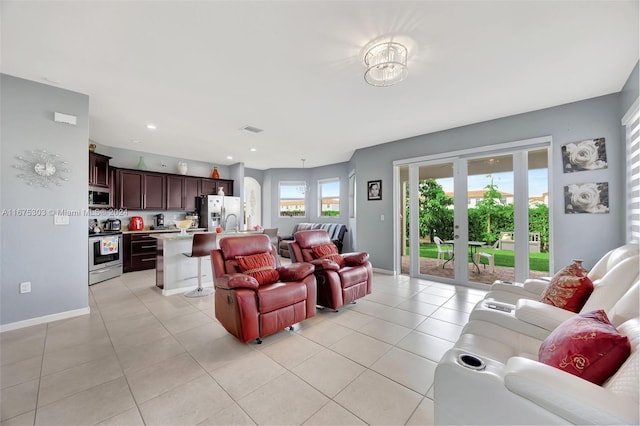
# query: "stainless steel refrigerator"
221,211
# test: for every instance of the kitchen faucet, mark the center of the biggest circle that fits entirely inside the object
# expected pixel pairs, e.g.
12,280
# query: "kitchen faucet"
226,222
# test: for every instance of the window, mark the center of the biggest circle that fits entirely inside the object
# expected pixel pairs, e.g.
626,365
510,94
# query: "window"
329,197
631,121
292,198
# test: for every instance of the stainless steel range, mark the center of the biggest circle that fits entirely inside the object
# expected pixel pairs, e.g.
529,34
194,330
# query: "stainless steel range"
105,256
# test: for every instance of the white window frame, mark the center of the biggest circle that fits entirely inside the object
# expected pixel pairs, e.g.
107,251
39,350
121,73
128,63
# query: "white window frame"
320,197
631,122
299,183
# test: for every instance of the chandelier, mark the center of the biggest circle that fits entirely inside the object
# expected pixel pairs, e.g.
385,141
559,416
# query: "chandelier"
386,64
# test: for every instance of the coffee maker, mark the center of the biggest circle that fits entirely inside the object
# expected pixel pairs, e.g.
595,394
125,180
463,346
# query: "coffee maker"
159,221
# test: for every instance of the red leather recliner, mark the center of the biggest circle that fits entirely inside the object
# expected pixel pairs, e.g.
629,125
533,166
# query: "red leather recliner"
337,285
249,310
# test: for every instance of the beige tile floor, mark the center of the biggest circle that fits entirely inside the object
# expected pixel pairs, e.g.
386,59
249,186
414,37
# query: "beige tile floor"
143,358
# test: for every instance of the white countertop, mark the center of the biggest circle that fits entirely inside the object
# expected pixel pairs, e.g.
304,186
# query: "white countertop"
170,236
158,231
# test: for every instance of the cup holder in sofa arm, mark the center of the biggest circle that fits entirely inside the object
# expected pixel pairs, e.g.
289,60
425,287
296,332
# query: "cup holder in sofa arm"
471,361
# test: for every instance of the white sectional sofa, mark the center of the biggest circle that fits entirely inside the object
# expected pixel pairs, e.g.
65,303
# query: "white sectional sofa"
492,374
510,386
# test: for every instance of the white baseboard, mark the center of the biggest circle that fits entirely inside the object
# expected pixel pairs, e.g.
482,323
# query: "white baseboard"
44,319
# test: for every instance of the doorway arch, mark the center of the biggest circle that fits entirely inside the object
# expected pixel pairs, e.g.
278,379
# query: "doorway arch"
252,202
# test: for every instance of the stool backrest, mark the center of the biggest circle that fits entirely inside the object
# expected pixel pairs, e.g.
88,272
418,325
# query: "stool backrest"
203,244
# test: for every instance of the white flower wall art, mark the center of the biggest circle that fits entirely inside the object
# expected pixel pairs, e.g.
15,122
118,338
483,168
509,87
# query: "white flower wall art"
586,198
584,155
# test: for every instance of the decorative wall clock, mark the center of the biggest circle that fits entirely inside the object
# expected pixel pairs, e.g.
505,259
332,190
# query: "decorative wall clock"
40,168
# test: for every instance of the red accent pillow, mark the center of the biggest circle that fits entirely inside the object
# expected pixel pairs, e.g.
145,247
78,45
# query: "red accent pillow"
259,266
569,289
587,346
328,251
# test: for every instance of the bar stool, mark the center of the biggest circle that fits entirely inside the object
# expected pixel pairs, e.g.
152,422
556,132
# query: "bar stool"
201,247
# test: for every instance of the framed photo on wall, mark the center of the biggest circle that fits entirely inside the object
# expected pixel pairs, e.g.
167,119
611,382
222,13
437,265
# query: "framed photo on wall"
374,190
586,198
584,155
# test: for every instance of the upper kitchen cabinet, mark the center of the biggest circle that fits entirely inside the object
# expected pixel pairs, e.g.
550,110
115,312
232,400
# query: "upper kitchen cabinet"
98,170
139,190
212,186
182,192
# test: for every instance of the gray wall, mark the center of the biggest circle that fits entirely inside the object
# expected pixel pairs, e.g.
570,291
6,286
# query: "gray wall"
270,191
585,236
53,258
629,92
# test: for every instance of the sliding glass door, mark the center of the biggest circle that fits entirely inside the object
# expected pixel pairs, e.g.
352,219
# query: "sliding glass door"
476,218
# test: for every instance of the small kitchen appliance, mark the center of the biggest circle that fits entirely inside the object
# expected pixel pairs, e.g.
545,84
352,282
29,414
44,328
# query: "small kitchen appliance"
159,219
113,225
136,223
195,219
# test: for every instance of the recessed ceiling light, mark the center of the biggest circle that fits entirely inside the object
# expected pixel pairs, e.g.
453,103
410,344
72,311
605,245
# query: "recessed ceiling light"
135,141
229,157
253,150
151,126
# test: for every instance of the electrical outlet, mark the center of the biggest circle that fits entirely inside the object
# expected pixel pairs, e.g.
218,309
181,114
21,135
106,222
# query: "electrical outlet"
25,287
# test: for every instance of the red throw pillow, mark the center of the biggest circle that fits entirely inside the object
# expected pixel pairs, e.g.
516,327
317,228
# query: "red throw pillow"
259,266
328,251
587,345
569,289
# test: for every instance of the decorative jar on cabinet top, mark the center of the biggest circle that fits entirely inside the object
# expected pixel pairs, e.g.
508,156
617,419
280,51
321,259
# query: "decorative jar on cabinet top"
214,173
182,167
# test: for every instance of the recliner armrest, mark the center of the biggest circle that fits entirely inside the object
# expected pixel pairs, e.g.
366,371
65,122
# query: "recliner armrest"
325,264
295,271
541,314
568,396
355,259
231,281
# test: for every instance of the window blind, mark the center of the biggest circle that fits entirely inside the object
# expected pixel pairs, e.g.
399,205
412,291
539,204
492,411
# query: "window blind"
631,121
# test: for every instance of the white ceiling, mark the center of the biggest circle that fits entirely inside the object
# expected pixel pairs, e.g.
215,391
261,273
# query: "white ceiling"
201,70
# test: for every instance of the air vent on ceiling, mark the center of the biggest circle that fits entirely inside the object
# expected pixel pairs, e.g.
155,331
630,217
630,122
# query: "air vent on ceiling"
251,129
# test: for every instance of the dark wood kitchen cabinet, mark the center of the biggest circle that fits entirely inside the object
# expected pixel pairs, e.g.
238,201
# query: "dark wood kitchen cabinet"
139,252
98,170
212,186
182,192
139,190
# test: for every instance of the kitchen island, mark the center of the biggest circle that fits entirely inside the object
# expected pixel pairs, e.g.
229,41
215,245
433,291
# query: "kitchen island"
177,273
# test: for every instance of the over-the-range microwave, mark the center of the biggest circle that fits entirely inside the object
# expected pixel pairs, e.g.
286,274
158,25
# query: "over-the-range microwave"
99,197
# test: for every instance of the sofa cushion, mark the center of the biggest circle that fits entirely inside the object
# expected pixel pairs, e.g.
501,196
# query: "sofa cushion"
569,289
328,251
587,346
260,266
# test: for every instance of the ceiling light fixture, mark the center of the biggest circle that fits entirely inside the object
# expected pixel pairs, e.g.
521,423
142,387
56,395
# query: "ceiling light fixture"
386,64
253,150
229,157
151,126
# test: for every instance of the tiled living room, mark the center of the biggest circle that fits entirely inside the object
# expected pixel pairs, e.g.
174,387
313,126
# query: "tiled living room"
143,358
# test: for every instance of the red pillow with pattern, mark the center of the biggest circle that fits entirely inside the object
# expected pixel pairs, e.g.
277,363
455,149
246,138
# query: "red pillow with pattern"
568,289
260,266
328,251
587,346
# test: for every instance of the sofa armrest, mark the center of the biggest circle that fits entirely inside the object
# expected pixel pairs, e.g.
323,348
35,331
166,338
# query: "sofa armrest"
231,281
355,259
570,397
536,285
295,271
541,314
